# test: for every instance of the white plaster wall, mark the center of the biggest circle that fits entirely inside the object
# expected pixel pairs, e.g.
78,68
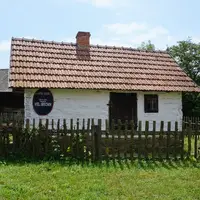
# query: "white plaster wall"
82,104
170,109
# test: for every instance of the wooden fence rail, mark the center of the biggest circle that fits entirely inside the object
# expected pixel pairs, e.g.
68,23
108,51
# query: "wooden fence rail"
90,143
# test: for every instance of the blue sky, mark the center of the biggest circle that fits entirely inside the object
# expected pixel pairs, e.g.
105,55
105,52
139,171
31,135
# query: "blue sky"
110,22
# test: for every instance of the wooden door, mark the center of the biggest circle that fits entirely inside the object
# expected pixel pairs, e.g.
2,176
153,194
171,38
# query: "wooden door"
123,106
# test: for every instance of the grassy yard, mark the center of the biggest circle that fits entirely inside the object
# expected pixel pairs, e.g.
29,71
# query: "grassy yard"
121,181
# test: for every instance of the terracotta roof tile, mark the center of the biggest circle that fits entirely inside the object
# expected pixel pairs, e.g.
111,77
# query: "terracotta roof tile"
36,63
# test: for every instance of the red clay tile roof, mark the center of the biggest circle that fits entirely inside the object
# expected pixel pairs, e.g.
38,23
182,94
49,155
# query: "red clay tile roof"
38,64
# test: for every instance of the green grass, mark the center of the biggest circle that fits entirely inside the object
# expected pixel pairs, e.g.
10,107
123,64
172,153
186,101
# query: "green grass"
147,180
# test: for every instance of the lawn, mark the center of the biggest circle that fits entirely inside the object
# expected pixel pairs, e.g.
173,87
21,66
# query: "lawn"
45,180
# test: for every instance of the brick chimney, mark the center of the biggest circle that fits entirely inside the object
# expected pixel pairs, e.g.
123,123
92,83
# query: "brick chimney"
83,39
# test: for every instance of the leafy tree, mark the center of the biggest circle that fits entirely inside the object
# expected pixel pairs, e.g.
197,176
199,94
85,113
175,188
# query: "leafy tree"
187,55
148,46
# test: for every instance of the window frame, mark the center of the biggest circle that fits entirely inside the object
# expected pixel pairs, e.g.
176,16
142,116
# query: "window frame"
151,97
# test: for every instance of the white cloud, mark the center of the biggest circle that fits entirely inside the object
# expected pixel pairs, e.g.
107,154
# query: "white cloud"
135,33
105,3
123,29
5,45
151,34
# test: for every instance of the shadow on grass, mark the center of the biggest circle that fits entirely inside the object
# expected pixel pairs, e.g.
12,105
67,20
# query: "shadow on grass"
112,163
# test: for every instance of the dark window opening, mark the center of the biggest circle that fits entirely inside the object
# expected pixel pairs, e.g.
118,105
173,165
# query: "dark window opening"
150,103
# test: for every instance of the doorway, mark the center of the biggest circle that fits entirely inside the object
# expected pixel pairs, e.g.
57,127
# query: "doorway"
123,106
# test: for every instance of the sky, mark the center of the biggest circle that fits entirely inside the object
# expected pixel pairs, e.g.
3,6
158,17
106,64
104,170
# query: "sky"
111,22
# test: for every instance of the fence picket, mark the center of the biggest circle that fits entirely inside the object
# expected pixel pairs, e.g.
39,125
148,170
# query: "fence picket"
196,140
39,137
132,140
189,139
168,139
83,140
154,140
175,140
64,127
34,140
87,141
161,140
119,138
71,149
92,138
98,141
146,139
182,139
139,139
77,139
52,124
113,140
46,146
64,140
125,139
58,126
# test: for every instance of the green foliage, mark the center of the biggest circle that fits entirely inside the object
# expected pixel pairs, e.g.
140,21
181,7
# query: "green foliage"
187,55
147,46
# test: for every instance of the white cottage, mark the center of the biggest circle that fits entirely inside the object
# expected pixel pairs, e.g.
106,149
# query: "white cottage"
67,80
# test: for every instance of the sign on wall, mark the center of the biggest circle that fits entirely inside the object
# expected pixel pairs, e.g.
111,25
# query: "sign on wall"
43,101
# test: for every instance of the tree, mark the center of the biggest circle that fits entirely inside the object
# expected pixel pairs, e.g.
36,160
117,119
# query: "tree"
148,46
187,55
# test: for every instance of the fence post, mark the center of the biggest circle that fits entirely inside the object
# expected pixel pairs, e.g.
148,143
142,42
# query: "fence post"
189,139
196,139
183,138
154,140
92,139
87,140
97,141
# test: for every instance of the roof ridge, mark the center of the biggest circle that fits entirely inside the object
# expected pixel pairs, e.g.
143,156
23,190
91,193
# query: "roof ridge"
91,45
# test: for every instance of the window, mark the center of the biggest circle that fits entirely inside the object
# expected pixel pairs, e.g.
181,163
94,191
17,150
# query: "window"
150,103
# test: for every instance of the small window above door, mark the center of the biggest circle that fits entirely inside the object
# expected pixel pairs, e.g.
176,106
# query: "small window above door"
151,103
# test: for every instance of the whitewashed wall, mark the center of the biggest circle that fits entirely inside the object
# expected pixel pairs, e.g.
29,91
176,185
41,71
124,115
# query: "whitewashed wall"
84,104
170,109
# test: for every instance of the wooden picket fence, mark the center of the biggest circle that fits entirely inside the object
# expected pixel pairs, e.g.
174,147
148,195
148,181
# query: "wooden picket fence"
90,143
